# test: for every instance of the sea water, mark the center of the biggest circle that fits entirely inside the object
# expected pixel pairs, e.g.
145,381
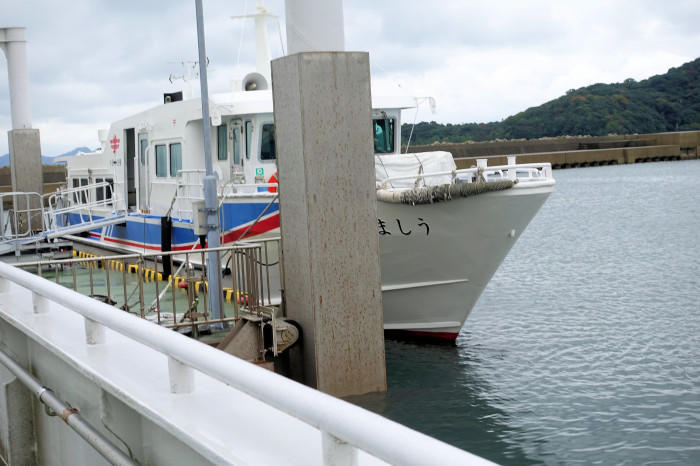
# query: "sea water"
585,346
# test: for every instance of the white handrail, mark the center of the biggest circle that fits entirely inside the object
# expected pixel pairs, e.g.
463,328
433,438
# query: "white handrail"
344,422
544,168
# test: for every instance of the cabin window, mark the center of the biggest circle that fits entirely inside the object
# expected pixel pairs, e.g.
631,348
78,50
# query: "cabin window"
76,184
99,192
161,161
248,138
143,145
267,142
83,192
383,136
175,158
223,140
236,147
109,189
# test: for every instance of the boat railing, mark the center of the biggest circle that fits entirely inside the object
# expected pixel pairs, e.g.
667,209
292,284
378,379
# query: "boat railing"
524,172
189,189
347,432
236,189
251,271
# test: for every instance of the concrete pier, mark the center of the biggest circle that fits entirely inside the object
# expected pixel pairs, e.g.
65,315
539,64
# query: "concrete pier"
328,217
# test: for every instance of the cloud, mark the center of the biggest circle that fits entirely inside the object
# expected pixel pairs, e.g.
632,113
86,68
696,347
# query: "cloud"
95,62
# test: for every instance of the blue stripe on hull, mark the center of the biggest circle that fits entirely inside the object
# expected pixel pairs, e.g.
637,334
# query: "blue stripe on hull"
138,230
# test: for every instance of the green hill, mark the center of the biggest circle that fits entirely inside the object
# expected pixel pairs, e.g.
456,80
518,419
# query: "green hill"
666,102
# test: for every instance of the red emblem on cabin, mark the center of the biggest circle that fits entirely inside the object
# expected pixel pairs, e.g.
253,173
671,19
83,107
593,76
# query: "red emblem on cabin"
114,144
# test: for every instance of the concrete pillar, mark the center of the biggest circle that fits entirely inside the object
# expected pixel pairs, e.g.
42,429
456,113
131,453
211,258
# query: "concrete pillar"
26,172
328,220
25,148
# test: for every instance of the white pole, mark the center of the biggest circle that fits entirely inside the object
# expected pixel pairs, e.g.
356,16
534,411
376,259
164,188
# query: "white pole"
262,48
314,26
13,42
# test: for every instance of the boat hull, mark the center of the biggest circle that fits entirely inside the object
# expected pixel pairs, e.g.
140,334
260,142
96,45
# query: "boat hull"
432,281
436,259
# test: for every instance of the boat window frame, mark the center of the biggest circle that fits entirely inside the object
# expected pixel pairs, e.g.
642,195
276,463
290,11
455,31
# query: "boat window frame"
236,142
392,140
223,126
109,192
170,158
249,131
76,185
261,126
156,165
99,192
167,142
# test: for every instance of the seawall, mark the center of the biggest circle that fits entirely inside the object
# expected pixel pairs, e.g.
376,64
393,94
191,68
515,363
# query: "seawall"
577,151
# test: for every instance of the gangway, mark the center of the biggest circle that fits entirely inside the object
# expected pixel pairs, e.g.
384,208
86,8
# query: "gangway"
28,219
84,226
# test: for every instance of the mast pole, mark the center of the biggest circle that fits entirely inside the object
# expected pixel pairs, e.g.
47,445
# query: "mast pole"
211,203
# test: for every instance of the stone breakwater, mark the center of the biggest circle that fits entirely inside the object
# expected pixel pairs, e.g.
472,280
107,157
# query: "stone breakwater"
580,151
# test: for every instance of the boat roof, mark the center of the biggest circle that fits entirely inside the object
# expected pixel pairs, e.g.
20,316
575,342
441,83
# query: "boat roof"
249,103
261,101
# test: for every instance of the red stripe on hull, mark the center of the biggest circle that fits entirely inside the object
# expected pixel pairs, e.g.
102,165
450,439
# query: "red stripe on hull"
263,226
422,336
125,242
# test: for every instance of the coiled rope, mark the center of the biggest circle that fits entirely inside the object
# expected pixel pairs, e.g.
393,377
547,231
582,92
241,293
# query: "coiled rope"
445,192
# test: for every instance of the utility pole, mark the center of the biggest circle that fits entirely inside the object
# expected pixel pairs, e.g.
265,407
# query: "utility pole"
211,200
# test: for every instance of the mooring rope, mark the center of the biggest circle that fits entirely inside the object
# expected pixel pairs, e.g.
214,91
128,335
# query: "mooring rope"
444,192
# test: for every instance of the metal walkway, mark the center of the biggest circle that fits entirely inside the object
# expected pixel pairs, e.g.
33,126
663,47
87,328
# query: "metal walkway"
28,219
81,227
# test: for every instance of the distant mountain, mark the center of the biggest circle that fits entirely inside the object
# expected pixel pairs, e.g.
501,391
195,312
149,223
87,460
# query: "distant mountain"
666,102
46,159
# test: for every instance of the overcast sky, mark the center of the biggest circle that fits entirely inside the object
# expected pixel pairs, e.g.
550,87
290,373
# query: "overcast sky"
92,62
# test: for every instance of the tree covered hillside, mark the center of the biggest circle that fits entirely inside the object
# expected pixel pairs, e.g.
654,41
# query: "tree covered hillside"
667,102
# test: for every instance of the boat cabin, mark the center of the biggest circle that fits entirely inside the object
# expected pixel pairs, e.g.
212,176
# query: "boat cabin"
155,156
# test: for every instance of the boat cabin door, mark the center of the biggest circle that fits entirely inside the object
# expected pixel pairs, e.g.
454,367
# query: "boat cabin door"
143,174
235,131
130,155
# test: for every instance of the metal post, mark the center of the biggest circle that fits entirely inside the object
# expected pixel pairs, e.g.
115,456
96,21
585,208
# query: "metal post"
92,284
172,287
234,280
126,266
210,181
155,277
140,272
109,290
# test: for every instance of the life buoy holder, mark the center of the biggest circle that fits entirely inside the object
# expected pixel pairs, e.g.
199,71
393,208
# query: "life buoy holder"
273,179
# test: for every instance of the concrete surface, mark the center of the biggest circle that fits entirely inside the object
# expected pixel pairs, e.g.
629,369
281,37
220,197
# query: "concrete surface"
328,218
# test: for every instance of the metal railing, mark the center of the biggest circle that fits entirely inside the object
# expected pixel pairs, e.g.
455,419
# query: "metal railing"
30,214
189,189
81,199
525,172
253,271
344,428
24,217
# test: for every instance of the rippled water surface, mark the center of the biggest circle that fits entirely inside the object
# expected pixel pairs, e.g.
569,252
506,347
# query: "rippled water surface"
585,346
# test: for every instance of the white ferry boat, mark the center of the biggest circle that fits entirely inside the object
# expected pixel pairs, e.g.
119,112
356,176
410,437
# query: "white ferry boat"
444,231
